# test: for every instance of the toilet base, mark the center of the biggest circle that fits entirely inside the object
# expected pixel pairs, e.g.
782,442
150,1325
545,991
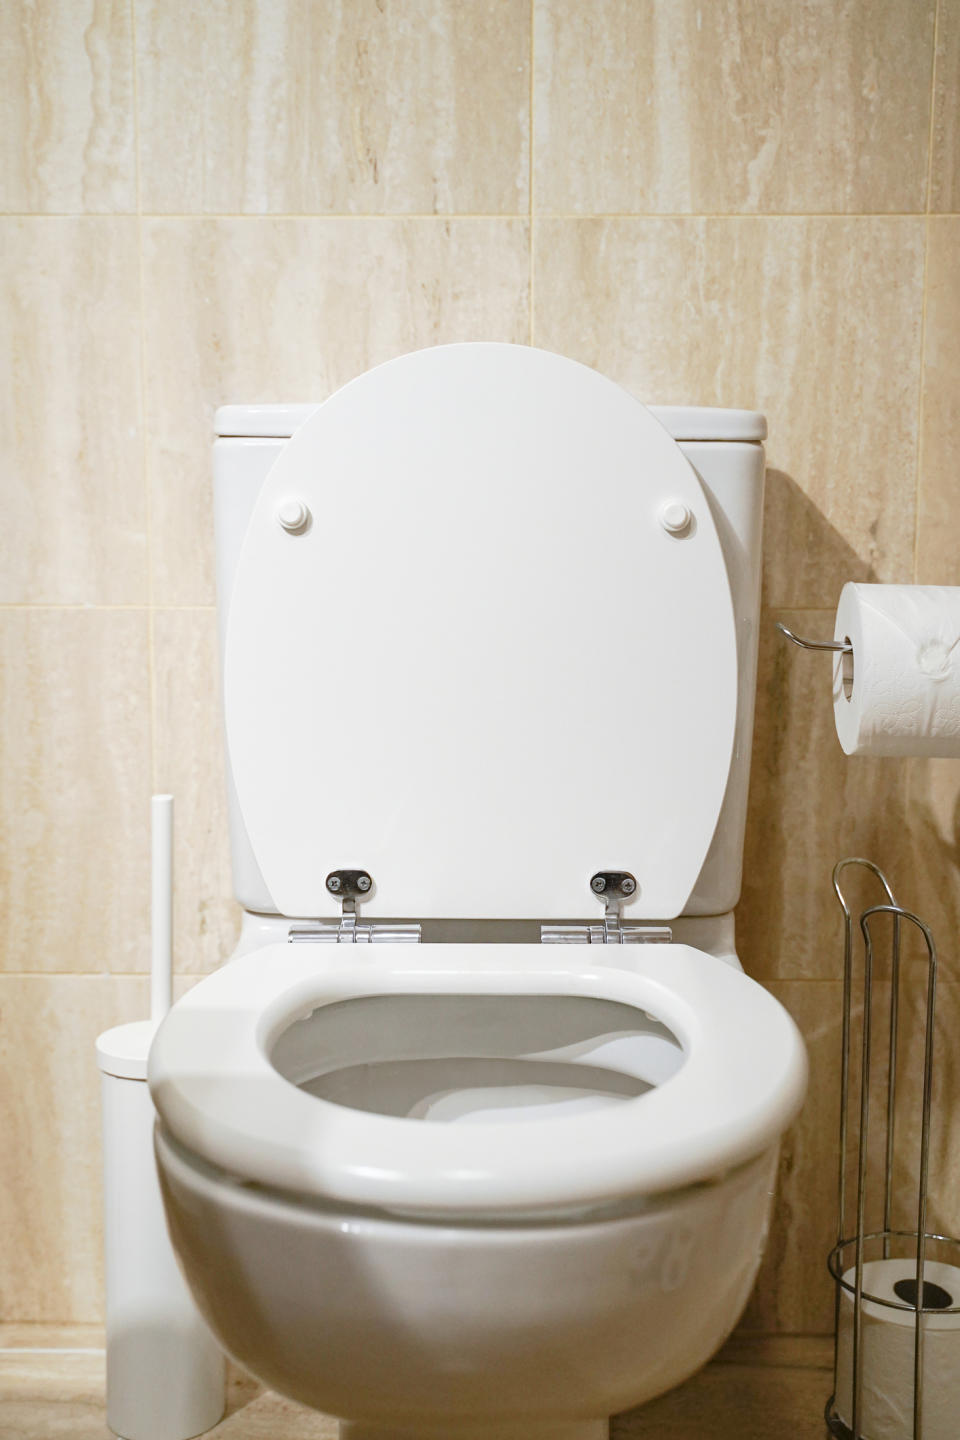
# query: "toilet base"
511,1430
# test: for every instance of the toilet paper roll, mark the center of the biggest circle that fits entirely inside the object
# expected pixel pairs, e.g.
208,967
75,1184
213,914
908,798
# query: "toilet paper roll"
887,1338
899,692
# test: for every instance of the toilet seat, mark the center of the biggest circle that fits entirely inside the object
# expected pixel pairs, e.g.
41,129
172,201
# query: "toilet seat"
217,1093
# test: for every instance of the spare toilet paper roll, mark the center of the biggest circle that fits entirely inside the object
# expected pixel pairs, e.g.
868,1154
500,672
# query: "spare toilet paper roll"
899,692
887,1338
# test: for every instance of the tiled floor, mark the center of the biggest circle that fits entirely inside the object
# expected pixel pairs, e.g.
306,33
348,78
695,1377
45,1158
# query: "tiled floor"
51,1388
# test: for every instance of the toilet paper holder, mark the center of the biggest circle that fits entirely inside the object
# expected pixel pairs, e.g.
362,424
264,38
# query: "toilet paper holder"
918,1296
843,646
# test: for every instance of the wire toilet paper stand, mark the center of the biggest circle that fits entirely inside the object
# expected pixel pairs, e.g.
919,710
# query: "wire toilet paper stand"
917,1295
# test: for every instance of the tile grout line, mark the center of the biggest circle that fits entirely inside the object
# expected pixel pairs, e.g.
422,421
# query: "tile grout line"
447,216
530,165
694,215
780,608
51,1349
776,608
909,771
148,507
197,975
82,605
923,295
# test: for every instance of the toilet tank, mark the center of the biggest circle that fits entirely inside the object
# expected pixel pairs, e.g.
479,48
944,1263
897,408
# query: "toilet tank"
725,447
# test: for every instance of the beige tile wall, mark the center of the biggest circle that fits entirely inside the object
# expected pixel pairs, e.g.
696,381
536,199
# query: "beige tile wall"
753,202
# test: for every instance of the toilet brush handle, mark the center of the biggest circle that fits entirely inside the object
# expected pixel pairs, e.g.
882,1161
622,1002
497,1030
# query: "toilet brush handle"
161,906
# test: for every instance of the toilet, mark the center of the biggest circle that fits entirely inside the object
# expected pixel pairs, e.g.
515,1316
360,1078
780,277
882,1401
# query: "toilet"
476,1132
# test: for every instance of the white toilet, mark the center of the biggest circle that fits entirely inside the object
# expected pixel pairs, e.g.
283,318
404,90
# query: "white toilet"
430,1163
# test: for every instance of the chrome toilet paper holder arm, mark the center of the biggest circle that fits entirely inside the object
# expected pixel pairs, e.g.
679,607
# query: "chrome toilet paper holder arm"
843,646
921,1298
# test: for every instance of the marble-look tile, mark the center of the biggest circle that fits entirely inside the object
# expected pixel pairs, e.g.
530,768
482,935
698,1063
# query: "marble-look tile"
190,765
74,527
943,1193
793,1352
347,109
797,317
945,161
75,714
59,1376
726,1402
265,1416
793,1291
62,1394
938,554
761,1389
57,1413
66,112
50,1205
784,107
270,310
817,1157
928,861
52,1419
810,806
35,1337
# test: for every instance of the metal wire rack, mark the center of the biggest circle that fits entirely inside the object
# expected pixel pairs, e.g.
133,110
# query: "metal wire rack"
920,1297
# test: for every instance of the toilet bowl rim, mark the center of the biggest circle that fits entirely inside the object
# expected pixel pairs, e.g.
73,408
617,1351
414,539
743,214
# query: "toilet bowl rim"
263,1199
218,1094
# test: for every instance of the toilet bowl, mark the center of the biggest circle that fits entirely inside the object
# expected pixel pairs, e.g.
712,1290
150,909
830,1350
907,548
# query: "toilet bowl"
473,1185
453,1145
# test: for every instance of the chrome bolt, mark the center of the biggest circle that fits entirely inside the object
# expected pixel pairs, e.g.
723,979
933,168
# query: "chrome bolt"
363,883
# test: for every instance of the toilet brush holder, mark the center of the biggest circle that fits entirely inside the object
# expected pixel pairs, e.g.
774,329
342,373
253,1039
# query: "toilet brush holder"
897,1308
165,1373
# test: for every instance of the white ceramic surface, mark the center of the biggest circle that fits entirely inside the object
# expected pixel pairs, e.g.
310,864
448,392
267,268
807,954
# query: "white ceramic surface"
682,422
740,1083
165,1372
439,1326
479,609
731,472
438,676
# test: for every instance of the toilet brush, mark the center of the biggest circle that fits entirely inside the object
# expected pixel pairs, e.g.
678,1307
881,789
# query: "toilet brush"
165,1373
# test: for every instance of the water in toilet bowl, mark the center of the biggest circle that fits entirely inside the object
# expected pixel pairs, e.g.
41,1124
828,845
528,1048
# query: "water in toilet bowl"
477,1058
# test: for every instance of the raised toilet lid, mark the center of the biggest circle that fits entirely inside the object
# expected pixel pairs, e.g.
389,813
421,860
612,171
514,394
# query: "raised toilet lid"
485,667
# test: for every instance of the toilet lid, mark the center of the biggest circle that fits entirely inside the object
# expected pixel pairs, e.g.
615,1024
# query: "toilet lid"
484,668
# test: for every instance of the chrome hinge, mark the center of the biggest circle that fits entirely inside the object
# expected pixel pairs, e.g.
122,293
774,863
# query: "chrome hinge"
349,886
606,935
613,887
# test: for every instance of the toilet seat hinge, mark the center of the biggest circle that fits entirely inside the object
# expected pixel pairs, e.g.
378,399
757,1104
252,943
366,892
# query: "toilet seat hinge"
613,887
349,887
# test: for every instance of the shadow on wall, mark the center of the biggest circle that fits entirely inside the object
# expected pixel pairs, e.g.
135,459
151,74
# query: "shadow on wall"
810,805
927,879
804,555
